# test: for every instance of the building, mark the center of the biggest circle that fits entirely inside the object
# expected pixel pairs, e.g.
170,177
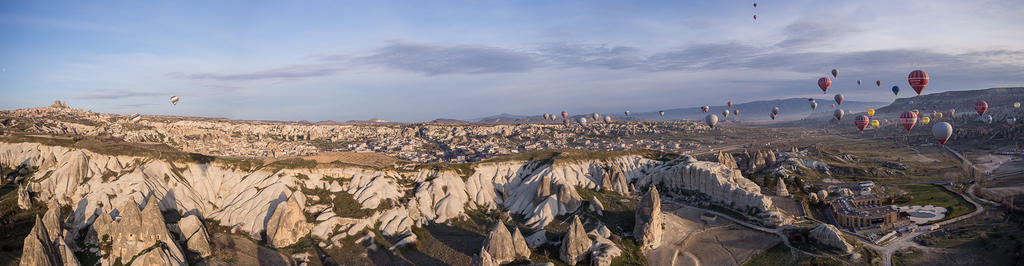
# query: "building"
864,212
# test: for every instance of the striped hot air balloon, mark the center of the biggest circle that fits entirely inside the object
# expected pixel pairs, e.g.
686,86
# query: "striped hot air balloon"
861,122
908,119
918,79
135,118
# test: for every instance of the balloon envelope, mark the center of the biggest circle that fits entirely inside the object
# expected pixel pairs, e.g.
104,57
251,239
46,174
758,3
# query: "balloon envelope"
942,131
775,110
565,114
711,120
662,113
871,112
174,100
814,106
861,122
925,120
627,112
878,83
895,90
824,83
987,119
835,73
838,114
858,82
1016,105
725,113
918,79
705,108
981,107
729,104
1011,119
908,119
874,123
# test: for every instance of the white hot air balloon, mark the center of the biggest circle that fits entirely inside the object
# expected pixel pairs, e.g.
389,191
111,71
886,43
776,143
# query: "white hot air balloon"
838,114
627,112
596,117
711,120
942,131
775,110
987,119
583,121
607,119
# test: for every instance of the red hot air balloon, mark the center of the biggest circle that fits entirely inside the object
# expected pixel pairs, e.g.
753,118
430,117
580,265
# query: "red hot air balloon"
908,119
824,83
918,80
861,122
565,114
981,107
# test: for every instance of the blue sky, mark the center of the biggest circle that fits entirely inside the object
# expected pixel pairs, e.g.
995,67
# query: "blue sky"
420,60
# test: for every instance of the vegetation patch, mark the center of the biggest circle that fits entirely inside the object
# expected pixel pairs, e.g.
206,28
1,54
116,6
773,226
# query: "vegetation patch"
927,194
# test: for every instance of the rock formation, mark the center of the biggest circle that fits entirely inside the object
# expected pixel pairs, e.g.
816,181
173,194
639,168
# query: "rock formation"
24,200
499,245
288,224
615,181
648,227
727,160
197,239
781,188
575,244
142,235
45,244
519,244
596,206
828,235
483,259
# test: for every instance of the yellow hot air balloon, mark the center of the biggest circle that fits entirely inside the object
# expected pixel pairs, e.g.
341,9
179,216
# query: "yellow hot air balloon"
874,123
871,112
925,120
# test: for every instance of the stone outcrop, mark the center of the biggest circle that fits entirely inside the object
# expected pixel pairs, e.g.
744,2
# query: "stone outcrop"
780,188
575,244
142,235
24,200
649,223
614,180
596,206
288,223
828,235
519,243
715,183
45,244
499,245
197,239
483,259
727,160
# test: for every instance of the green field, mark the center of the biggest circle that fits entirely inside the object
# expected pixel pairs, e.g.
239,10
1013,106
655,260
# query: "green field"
926,194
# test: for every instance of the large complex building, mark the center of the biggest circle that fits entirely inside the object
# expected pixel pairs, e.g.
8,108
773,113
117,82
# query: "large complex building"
864,212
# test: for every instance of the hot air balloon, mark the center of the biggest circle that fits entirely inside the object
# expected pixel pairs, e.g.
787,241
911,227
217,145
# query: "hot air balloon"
1016,105
878,83
824,83
596,117
705,108
775,110
925,120
918,79
942,131
895,90
729,104
908,119
565,114
607,120
838,114
938,115
773,116
814,106
874,123
725,113
934,112
861,122
583,121
135,118
839,99
565,122
662,113
755,4
981,107
835,73
871,112
755,17
951,112
174,100
711,120
916,112
627,112
1011,119
987,119
833,105
736,111
858,82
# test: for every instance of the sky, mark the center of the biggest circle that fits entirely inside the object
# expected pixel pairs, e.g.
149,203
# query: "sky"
420,60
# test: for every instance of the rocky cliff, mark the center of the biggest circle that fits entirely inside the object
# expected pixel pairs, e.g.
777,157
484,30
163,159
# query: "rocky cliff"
285,204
